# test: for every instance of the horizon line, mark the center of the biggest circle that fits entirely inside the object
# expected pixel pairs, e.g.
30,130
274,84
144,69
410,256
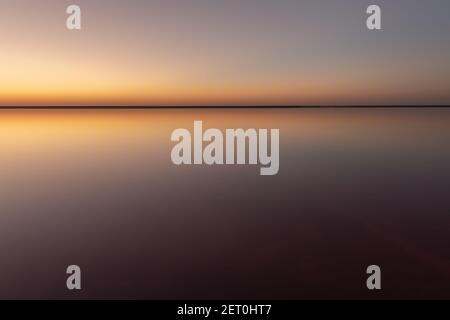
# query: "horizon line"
85,107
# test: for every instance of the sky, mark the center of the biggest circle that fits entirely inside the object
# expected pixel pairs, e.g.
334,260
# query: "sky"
227,52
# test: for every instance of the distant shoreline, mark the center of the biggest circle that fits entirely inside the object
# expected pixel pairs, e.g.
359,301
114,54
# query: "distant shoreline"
130,107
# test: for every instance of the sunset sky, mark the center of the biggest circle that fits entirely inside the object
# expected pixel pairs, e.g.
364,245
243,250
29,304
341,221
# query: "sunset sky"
227,52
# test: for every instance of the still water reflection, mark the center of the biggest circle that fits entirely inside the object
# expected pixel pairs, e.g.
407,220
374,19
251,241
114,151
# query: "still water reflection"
97,188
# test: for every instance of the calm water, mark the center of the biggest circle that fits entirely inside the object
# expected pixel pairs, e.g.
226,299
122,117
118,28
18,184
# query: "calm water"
98,189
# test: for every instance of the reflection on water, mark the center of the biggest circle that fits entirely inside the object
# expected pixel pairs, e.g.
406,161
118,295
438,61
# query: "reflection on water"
98,189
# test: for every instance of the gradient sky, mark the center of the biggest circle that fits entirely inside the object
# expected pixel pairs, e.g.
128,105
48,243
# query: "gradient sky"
206,52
